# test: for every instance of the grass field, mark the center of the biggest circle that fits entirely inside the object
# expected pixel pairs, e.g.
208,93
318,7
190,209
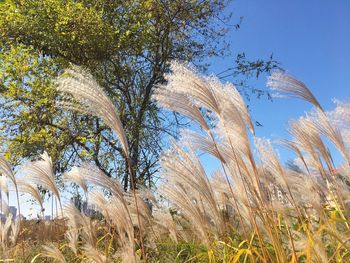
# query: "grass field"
252,209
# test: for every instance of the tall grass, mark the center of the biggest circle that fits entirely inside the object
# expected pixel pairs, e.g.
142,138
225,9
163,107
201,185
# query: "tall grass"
252,209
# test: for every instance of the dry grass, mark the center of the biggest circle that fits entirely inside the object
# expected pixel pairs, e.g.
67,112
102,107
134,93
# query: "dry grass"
252,209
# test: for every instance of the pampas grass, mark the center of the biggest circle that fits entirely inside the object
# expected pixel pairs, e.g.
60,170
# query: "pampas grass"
280,81
84,88
41,172
51,251
33,191
253,208
7,172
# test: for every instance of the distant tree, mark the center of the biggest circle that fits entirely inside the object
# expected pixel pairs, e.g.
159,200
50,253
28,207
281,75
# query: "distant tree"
126,45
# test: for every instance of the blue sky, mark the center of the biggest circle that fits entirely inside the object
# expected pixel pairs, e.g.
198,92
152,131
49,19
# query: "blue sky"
311,39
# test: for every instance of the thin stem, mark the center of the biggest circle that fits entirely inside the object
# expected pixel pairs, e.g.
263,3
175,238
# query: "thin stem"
137,208
292,242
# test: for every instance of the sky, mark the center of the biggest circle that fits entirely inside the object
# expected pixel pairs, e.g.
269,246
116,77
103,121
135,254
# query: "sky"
311,40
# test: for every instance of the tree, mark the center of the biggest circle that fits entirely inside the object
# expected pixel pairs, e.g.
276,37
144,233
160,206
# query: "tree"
126,45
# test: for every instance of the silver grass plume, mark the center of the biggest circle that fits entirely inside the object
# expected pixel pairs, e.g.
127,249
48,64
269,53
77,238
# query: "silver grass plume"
77,220
120,217
294,147
51,251
41,172
183,200
340,118
84,88
72,236
307,139
74,228
189,189
169,99
92,174
271,162
283,82
127,255
75,176
300,184
90,252
325,127
6,170
26,187
189,91
185,168
186,91
116,210
184,80
4,188
98,199
203,143
117,214
231,100
144,210
164,223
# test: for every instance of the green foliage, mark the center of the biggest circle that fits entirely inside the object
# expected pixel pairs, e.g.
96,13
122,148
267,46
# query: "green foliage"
126,45
28,102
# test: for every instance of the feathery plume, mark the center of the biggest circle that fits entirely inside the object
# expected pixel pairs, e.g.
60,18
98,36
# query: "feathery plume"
84,88
324,126
200,142
182,199
4,184
120,217
6,170
308,139
143,210
294,147
51,251
168,98
41,172
72,236
184,80
281,81
186,91
165,221
94,175
77,220
75,176
26,187
189,188
90,252
98,199
270,159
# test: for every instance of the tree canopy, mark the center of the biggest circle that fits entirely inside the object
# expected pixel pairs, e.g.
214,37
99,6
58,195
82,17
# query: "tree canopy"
126,45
